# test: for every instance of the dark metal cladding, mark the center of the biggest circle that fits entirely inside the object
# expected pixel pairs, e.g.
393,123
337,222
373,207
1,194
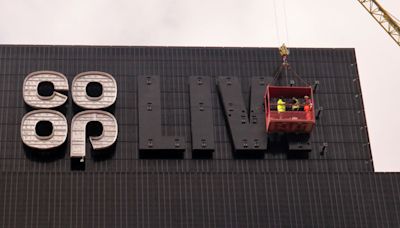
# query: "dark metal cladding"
149,108
201,114
248,135
331,187
257,109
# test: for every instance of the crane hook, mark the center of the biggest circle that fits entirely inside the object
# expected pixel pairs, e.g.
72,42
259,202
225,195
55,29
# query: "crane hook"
284,52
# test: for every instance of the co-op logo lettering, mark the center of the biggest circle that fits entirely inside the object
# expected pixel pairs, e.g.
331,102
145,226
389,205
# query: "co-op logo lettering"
44,112
245,125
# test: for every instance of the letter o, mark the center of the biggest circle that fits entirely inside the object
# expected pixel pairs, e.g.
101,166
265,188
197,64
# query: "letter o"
83,100
55,139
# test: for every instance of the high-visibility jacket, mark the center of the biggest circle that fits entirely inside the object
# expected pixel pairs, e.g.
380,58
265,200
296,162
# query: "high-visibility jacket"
281,106
295,105
307,108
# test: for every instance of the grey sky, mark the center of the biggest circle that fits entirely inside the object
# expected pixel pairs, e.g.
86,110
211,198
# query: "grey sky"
310,23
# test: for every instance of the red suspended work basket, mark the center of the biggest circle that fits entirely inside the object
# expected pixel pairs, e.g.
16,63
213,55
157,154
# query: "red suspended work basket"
289,121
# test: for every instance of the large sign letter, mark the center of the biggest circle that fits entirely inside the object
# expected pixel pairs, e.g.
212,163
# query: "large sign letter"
108,88
31,85
57,136
149,105
78,132
247,128
201,116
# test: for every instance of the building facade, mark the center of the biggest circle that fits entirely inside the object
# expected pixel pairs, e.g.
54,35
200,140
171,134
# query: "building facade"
129,186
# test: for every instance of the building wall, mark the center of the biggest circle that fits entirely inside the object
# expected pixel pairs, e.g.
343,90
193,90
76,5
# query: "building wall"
336,189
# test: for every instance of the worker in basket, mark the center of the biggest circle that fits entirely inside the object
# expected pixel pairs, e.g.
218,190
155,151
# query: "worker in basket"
295,104
308,107
281,105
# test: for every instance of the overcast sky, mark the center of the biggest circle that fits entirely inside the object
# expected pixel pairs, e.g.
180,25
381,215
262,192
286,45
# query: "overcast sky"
244,23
